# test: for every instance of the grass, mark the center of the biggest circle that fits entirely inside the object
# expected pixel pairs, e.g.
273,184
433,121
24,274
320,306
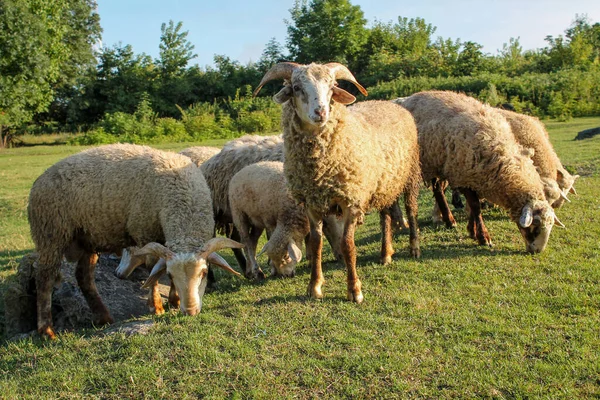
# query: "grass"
463,321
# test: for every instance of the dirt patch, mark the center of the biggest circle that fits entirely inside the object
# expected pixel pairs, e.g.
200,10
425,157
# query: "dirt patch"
124,298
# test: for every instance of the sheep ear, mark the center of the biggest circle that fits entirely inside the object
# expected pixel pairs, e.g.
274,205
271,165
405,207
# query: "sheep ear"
295,252
526,217
341,96
159,269
283,95
220,262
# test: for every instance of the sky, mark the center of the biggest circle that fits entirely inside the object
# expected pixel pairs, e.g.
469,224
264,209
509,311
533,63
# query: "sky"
240,29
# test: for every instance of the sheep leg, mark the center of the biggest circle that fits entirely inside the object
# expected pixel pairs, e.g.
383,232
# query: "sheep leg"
349,253
46,277
316,247
398,220
476,227
155,301
387,251
411,205
456,200
254,236
238,253
442,203
84,272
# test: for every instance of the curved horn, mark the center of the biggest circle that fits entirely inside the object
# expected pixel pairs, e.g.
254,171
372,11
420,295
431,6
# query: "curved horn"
159,268
564,196
342,72
130,260
572,190
156,249
216,244
281,70
220,262
557,222
526,217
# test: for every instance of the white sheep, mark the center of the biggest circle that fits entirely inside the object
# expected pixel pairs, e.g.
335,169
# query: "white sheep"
200,154
471,146
235,155
111,197
345,160
260,200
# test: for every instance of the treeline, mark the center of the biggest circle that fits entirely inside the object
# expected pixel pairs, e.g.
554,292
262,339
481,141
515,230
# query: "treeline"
115,94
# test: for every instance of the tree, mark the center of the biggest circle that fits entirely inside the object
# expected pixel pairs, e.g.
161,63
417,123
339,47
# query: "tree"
470,59
272,54
175,50
326,30
39,43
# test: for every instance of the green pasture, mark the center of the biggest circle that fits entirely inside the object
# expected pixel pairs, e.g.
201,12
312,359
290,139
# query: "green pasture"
463,321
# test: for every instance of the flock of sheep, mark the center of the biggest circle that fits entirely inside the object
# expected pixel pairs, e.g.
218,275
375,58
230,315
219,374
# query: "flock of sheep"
331,165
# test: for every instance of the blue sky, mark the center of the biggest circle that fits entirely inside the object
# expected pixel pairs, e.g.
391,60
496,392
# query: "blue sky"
241,28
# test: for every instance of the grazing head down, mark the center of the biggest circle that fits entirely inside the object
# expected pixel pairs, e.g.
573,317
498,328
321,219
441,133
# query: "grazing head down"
188,271
535,224
311,88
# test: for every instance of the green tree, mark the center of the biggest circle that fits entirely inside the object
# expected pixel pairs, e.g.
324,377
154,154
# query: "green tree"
117,85
40,47
326,30
272,54
175,50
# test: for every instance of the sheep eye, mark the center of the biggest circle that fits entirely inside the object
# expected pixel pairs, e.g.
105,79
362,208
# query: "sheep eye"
297,88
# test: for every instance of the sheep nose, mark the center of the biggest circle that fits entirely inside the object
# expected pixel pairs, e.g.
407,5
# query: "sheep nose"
320,111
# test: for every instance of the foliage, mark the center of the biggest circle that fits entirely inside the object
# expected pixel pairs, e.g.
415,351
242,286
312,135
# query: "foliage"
325,30
559,94
43,44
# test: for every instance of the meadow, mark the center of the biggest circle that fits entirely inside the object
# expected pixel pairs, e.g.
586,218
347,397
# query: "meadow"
462,321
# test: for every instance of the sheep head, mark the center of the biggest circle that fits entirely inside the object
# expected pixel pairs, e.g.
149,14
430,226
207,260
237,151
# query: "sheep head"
535,224
311,88
283,260
188,271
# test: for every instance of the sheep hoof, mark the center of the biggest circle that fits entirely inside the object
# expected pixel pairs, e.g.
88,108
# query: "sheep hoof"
255,275
386,260
355,296
46,332
103,319
355,292
314,291
415,253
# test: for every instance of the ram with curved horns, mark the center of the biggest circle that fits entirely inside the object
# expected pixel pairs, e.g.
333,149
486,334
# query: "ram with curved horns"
345,160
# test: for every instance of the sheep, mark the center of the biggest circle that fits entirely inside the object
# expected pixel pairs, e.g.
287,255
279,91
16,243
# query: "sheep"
110,197
235,155
129,261
531,133
259,200
344,160
200,154
472,147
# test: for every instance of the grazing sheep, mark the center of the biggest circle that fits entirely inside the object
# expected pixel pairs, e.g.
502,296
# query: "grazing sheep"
200,154
345,160
472,147
260,200
129,261
235,155
531,133
110,197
